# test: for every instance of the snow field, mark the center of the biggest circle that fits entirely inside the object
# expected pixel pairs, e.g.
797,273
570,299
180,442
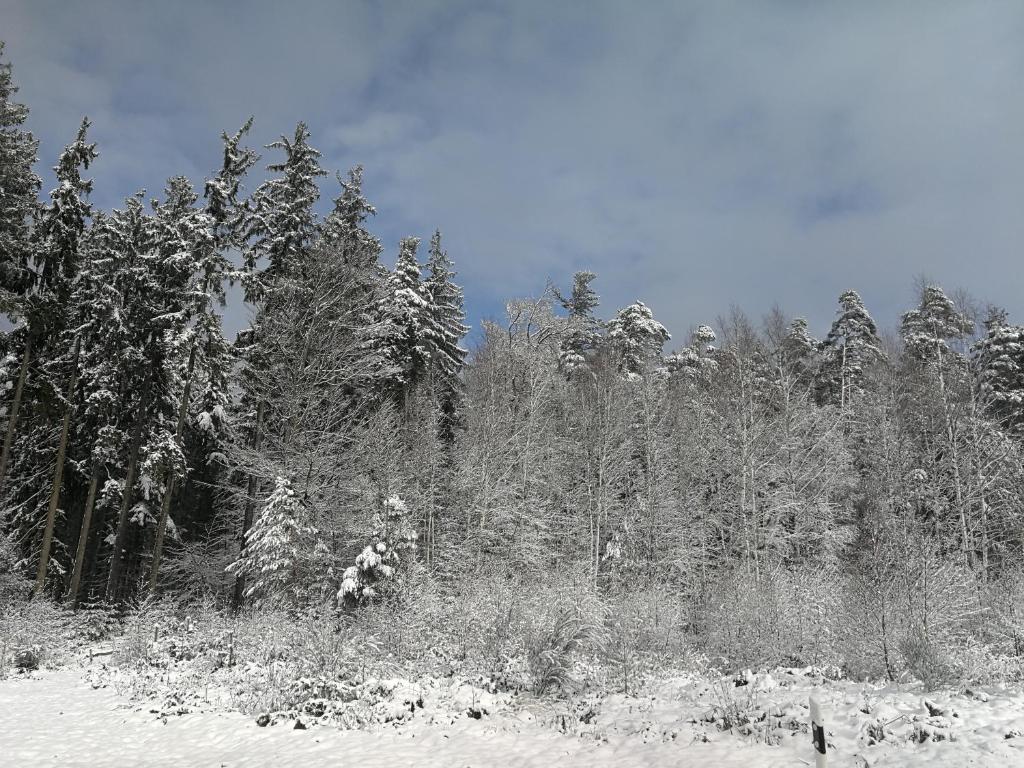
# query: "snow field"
65,718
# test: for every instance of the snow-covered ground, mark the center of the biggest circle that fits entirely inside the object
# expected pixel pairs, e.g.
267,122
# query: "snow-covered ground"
60,718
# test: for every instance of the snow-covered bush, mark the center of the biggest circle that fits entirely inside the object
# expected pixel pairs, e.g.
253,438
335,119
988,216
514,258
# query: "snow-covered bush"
53,634
196,570
1004,599
907,610
786,617
551,651
378,566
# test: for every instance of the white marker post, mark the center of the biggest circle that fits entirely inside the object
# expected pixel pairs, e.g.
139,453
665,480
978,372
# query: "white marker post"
818,734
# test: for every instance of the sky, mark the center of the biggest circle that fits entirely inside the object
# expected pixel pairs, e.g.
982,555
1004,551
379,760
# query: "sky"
696,156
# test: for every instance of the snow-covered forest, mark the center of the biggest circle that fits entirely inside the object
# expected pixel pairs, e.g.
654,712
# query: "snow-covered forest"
573,505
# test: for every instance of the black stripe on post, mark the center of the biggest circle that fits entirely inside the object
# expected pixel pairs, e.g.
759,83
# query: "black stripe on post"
818,734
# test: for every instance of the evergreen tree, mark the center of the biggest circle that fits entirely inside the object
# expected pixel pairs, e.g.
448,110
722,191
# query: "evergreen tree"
154,289
378,566
999,361
695,361
57,257
55,245
101,435
636,337
582,333
582,300
187,258
64,220
344,226
800,351
276,548
278,234
849,350
411,335
446,317
221,192
282,224
928,330
19,188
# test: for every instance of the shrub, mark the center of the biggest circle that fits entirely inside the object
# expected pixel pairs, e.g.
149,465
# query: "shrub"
550,652
781,618
377,567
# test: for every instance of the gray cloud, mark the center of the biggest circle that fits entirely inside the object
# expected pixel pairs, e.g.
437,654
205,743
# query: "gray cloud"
694,155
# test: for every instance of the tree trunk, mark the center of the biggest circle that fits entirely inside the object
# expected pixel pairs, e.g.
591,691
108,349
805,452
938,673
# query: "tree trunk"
117,556
83,536
250,508
165,504
12,422
955,466
58,474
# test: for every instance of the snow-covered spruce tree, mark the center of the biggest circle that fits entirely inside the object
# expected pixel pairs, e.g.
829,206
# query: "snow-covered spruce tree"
849,350
353,253
378,568
19,187
282,224
51,333
158,280
581,336
447,328
277,548
406,309
999,363
100,432
131,239
344,228
182,240
637,337
582,299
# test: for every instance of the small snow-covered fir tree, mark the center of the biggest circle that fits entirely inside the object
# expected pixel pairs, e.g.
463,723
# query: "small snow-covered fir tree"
275,547
379,565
